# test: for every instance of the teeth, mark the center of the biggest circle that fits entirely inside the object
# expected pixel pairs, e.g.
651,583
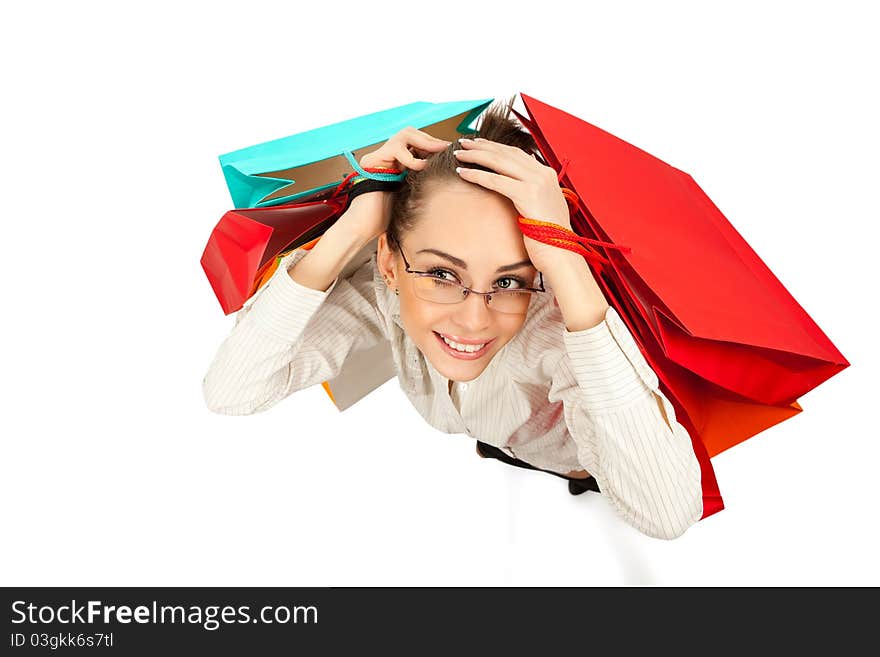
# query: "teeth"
469,348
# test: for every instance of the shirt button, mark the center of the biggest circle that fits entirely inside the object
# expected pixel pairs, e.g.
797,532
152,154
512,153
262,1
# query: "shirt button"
464,386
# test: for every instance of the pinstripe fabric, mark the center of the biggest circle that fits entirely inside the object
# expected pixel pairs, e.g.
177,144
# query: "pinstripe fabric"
556,399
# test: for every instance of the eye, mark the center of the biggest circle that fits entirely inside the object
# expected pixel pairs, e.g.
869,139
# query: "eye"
441,274
506,282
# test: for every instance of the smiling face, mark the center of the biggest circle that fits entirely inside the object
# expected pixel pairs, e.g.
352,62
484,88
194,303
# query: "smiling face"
466,234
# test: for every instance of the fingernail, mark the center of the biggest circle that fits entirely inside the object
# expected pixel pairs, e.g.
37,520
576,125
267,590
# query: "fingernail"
464,139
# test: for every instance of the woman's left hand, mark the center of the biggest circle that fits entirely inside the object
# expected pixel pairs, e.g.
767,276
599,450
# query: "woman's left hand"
531,186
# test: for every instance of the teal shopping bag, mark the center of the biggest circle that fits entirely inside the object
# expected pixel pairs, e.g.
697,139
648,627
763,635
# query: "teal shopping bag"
288,169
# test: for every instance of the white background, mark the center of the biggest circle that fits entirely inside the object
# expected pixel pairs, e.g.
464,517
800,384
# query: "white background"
115,473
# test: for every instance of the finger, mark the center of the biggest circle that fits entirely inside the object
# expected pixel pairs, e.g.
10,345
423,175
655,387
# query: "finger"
501,162
487,144
494,181
422,132
420,139
493,146
480,144
409,160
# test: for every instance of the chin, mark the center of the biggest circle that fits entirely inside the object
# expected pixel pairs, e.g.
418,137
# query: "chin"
459,377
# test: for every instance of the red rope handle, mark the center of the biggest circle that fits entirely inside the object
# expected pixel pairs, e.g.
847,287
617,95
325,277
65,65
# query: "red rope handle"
555,235
345,180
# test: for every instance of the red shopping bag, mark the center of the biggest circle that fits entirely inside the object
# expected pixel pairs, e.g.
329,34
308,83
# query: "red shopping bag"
731,347
243,247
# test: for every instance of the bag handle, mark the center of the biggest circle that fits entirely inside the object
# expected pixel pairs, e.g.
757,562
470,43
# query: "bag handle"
555,235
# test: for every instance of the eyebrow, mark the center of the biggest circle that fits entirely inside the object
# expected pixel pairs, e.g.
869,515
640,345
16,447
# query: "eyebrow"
460,263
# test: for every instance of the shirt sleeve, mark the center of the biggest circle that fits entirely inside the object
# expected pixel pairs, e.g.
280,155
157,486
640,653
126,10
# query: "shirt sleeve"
612,406
288,337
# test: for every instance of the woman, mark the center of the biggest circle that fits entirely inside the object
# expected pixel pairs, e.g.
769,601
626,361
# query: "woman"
542,371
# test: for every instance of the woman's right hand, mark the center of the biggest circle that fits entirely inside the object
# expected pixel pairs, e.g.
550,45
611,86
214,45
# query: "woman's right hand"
368,213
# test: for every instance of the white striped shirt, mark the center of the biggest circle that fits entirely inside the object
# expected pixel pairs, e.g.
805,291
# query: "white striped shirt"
557,399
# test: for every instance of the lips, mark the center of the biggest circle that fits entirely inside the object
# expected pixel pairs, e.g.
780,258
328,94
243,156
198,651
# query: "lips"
461,340
463,355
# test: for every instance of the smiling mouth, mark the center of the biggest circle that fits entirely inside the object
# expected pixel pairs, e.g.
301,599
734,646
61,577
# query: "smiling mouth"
463,351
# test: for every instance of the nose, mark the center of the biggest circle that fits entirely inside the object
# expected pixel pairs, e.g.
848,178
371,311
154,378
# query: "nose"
473,315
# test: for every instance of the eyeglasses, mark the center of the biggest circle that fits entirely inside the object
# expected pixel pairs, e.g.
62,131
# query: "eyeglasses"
431,286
